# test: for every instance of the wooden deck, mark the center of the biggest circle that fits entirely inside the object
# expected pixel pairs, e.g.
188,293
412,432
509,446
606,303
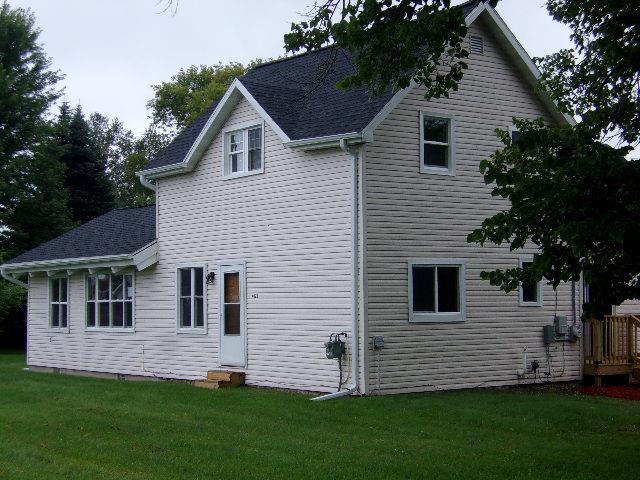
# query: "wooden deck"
612,346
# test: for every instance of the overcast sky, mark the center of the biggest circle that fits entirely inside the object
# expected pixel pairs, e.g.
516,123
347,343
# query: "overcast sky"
111,52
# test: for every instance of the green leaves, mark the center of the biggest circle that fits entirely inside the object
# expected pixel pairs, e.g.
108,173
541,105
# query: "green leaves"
392,43
180,101
573,197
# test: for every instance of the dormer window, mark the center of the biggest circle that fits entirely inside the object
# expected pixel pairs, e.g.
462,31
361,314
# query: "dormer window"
244,150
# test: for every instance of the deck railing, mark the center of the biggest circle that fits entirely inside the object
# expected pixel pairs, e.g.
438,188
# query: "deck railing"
615,340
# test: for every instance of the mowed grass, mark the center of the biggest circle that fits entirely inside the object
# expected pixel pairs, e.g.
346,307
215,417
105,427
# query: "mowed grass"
54,426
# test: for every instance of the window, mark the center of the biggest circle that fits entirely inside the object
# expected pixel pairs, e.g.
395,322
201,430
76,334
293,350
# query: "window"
530,293
191,298
59,303
436,291
110,301
515,135
436,145
244,150
476,44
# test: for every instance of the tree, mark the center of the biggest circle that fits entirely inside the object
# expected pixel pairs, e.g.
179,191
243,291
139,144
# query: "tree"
572,194
90,192
392,43
180,101
32,194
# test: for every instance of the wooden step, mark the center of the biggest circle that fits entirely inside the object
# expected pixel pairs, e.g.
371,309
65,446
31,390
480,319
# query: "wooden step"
221,379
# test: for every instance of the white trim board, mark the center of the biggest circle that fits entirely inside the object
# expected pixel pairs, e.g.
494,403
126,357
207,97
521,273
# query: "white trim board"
140,259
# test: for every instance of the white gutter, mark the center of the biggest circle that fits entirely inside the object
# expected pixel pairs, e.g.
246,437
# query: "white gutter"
146,183
9,277
354,280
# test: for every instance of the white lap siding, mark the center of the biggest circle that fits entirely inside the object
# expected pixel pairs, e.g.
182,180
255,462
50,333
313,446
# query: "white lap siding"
292,227
410,215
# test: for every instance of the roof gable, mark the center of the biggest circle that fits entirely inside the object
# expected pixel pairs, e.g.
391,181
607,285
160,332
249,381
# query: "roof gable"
299,99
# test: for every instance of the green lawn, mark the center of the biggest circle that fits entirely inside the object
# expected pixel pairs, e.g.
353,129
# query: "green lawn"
55,426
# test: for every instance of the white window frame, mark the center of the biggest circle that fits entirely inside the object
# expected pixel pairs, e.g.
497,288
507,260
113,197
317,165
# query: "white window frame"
192,329
438,317
451,167
50,304
109,329
512,128
244,129
538,303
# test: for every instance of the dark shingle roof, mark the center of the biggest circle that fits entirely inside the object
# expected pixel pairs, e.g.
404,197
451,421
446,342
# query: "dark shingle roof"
300,94
118,232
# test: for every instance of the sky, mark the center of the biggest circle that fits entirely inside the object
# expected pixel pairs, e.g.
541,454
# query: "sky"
112,52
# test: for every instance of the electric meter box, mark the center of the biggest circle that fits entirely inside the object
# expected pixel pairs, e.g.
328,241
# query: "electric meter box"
560,325
334,348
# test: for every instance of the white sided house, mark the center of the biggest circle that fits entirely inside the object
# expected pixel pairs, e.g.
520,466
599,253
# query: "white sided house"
293,210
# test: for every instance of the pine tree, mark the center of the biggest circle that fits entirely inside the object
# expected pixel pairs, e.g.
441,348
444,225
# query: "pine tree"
90,192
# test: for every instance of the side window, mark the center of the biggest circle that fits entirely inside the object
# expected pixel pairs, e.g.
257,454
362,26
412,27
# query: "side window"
59,303
437,291
244,151
515,136
530,293
437,153
110,300
191,299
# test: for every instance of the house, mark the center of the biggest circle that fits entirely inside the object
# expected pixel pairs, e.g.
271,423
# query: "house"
293,210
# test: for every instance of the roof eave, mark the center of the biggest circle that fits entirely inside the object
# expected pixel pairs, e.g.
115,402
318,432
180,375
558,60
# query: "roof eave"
140,259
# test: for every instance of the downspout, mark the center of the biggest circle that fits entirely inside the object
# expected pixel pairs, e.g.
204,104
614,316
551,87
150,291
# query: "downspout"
12,279
354,279
146,183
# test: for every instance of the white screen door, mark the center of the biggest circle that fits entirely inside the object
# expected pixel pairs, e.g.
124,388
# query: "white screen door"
233,325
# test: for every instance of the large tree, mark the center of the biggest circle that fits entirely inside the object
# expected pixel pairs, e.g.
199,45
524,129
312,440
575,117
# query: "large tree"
33,202
573,191
90,192
181,100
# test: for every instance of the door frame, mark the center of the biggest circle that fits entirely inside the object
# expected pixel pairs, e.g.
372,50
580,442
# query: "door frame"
225,267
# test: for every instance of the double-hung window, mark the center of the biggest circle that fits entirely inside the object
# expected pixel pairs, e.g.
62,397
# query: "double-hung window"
437,152
530,292
244,150
59,303
191,299
436,291
110,299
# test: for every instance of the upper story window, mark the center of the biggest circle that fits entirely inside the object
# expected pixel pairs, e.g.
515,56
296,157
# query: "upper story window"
437,153
530,293
59,303
191,298
244,150
436,291
110,300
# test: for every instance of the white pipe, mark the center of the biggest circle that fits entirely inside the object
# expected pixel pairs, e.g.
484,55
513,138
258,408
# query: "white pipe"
12,279
354,279
146,183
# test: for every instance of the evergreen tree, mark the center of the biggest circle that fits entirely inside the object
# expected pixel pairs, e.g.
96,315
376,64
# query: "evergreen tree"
90,192
33,202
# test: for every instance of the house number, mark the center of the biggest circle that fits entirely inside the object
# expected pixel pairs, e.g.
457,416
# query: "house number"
254,295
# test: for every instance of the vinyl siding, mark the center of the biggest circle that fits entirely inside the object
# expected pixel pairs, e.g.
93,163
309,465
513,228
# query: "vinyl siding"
410,215
292,227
